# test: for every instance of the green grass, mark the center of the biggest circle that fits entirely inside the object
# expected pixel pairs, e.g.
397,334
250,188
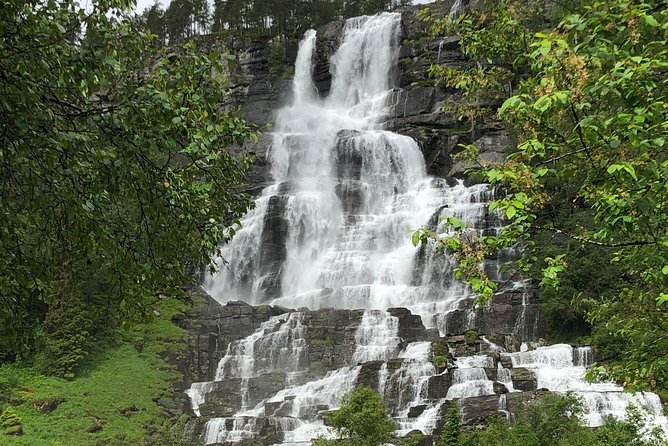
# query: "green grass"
130,374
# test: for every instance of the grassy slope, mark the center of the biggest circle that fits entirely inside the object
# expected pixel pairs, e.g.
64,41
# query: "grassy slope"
130,374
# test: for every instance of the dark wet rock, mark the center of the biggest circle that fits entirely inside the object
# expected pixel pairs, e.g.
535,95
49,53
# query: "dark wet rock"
499,388
523,379
411,328
368,374
504,315
438,385
328,40
416,411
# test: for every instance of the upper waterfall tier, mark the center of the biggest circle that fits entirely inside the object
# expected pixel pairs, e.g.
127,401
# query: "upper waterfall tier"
334,228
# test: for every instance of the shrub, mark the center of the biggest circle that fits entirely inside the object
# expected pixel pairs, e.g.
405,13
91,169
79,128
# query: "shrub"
361,421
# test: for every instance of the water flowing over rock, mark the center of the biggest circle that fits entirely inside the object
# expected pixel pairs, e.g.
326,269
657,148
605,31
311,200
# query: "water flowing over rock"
323,290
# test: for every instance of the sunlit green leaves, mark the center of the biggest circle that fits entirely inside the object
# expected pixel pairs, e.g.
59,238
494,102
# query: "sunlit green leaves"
588,111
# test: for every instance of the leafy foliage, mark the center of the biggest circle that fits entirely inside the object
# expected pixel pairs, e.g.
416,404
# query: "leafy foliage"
361,420
452,429
288,18
556,419
588,109
113,160
119,386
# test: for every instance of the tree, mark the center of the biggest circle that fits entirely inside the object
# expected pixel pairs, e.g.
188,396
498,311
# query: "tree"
588,110
452,429
362,420
114,173
178,20
153,18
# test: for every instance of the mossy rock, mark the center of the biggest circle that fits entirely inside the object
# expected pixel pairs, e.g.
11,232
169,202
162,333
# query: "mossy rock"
47,405
16,430
9,419
95,427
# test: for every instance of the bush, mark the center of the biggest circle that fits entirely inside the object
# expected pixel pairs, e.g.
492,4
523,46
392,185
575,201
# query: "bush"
452,429
361,421
9,418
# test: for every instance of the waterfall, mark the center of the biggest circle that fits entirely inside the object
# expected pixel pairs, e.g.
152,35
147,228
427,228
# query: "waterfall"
561,368
333,231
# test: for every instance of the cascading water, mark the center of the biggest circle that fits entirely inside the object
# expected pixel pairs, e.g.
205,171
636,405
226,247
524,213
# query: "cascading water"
333,231
561,368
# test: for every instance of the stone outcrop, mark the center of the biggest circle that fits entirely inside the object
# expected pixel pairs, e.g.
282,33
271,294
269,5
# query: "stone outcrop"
211,327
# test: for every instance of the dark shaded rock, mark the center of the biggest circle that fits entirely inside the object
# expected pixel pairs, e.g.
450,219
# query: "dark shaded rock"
328,40
499,388
476,410
330,336
412,102
368,375
505,315
351,194
279,408
273,251
523,379
225,397
416,411
210,329
506,362
47,405
411,328
438,385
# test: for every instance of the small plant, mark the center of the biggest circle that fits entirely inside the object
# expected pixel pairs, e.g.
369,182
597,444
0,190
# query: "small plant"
470,336
439,361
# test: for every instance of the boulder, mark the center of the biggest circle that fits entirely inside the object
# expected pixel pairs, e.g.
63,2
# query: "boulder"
524,379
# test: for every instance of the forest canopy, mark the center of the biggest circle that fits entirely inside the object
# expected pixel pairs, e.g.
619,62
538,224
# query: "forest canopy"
289,18
113,172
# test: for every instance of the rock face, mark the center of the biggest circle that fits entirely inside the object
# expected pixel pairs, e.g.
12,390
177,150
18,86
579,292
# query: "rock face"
257,373
328,339
259,91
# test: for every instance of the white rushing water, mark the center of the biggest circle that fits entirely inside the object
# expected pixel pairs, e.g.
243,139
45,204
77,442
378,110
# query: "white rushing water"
334,231
561,368
350,193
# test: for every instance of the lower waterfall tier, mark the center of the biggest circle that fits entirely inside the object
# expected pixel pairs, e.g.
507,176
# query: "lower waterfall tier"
281,372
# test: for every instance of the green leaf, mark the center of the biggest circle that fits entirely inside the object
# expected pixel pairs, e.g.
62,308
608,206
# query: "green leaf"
415,238
665,270
510,212
650,20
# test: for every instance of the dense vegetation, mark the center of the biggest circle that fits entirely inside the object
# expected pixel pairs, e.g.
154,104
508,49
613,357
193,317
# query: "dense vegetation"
114,174
551,420
288,18
113,401
583,88
116,184
361,420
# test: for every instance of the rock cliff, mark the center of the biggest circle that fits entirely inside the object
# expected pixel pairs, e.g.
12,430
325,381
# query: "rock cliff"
297,353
